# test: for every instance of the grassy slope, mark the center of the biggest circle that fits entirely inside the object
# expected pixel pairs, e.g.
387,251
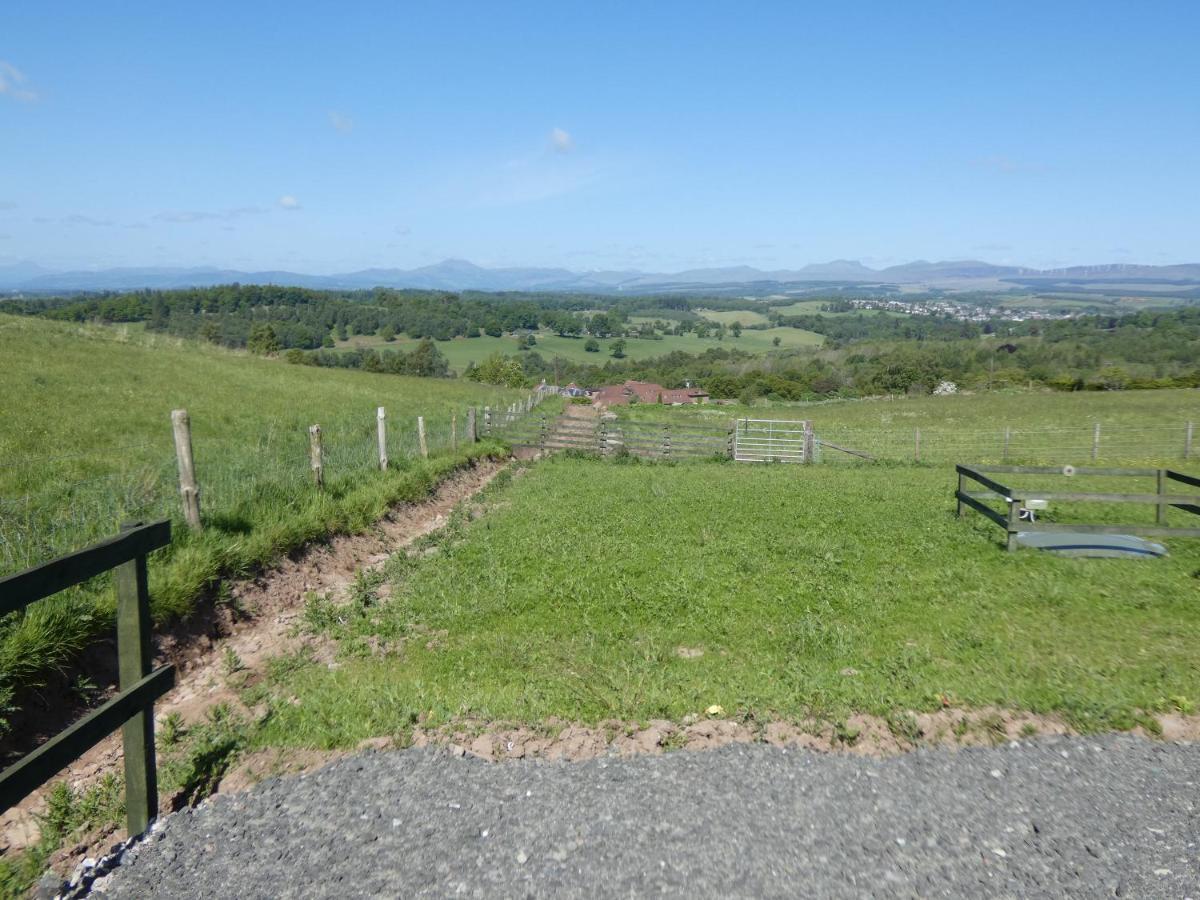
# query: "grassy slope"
783,578
85,443
462,351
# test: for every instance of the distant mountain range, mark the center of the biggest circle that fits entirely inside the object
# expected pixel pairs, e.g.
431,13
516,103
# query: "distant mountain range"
458,274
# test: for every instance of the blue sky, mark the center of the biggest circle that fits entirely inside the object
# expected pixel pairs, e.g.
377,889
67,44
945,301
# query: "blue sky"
659,136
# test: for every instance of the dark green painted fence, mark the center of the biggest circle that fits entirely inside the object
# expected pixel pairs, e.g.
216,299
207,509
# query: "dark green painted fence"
132,709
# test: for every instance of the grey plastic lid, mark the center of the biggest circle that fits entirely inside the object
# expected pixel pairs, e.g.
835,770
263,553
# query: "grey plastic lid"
1072,543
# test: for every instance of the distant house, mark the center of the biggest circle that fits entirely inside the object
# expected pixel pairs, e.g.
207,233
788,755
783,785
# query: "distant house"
647,392
573,390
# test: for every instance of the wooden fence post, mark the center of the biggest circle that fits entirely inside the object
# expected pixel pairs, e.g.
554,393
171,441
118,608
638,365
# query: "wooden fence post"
133,663
472,434
917,445
454,430
487,420
1096,441
810,443
543,433
381,431
421,437
602,435
1187,441
189,491
316,457
666,441
730,449
1160,511
1007,441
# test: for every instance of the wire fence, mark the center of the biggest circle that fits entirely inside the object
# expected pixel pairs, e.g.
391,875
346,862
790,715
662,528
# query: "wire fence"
58,502
1099,441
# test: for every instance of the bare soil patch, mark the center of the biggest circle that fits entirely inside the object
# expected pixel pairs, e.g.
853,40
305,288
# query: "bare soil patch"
862,735
258,624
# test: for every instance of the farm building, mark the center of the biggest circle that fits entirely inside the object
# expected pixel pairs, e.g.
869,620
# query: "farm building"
647,392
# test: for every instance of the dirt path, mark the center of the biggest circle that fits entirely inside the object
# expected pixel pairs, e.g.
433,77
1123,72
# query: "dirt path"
259,623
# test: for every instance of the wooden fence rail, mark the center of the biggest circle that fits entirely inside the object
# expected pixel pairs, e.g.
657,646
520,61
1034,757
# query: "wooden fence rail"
132,709
1014,499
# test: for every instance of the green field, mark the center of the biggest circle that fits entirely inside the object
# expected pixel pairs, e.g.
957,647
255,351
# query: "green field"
462,351
813,308
785,578
729,316
85,444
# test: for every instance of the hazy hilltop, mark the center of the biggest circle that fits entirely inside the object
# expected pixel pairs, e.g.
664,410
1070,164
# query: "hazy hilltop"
460,274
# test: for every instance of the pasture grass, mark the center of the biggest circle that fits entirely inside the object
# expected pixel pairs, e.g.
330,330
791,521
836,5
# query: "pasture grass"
729,316
813,308
460,352
85,443
810,591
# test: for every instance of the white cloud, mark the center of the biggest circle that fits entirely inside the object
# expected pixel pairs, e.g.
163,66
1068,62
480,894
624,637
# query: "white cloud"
7,204
561,141
341,122
12,83
287,201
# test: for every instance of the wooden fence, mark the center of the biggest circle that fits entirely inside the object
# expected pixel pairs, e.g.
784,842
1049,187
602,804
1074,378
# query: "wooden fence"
132,709
1015,499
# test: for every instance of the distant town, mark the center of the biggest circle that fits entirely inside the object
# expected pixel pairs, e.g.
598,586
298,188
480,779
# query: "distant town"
966,312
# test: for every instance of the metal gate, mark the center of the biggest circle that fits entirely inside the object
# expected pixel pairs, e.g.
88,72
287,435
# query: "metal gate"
773,440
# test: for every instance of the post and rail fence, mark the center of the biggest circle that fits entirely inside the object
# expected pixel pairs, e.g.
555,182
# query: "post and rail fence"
132,709
1016,499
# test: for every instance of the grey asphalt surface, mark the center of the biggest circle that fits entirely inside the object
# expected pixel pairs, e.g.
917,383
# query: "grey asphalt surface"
1111,816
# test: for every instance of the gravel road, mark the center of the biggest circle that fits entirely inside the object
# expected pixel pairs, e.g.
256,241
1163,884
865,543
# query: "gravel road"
1095,817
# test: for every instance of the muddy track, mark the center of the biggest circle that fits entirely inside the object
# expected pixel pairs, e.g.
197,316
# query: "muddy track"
258,623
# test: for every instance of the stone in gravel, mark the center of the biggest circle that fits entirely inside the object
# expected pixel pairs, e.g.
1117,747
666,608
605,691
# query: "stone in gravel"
49,886
482,747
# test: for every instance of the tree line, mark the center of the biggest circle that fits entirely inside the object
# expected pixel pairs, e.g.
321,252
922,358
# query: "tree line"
863,354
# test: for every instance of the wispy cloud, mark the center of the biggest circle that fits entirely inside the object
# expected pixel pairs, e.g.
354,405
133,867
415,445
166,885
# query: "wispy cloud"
7,204
1006,165
79,219
14,84
188,216
561,141
993,248
287,201
341,122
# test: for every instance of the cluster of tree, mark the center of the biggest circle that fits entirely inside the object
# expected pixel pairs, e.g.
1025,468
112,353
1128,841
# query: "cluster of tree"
1147,350
424,360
